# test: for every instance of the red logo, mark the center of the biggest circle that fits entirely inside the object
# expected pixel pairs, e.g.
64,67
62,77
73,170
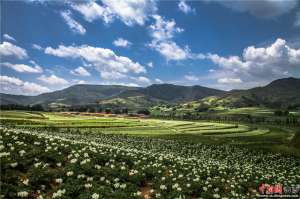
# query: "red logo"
270,189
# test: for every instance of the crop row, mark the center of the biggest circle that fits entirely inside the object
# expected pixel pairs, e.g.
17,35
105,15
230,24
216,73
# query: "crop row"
46,164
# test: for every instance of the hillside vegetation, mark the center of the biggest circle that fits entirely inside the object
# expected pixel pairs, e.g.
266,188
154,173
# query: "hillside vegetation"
282,93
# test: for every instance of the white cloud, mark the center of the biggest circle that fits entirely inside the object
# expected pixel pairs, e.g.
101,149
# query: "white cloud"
73,25
53,80
13,85
11,50
23,68
130,84
81,82
104,60
141,80
112,75
184,7
170,50
122,42
191,77
162,33
80,71
263,9
163,30
121,79
293,56
257,65
33,88
129,11
229,80
159,81
92,11
10,80
232,61
150,64
8,37
132,11
37,47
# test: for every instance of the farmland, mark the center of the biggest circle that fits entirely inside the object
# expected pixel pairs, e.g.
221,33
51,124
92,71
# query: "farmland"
66,155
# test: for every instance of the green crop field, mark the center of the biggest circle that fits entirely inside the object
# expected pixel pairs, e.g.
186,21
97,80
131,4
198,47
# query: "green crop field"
64,155
199,131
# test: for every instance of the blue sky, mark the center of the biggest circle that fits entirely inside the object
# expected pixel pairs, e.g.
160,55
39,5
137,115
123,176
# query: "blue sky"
47,46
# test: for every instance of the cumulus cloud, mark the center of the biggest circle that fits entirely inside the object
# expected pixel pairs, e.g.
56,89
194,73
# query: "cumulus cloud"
109,78
73,25
112,75
162,33
129,11
10,80
104,60
8,37
120,42
257,65
162,29
158,81
141,80
170,50
229,80
80,71
92,11
263,9
23,68
53,80
13,85
132,11
191,78
184,7
226,62
10,50
81,82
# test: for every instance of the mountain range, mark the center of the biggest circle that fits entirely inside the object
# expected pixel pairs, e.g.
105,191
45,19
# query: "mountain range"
279,93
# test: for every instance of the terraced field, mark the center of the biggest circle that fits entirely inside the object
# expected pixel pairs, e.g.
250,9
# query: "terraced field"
130,126
191,131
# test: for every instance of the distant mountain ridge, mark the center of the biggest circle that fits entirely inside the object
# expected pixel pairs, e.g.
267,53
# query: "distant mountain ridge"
88,94
279,93
80,94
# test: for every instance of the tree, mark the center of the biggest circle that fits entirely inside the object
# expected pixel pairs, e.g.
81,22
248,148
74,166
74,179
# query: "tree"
143,111
281,113
125,111
37,107
116,111
91,110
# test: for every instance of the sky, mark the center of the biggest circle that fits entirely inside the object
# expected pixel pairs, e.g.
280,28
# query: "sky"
51,45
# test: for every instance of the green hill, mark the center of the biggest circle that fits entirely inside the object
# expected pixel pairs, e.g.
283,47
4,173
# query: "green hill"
281,93
75,95
108,94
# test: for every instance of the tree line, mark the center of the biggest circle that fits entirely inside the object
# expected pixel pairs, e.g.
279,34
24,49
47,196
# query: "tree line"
36,107
77,108
284,119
